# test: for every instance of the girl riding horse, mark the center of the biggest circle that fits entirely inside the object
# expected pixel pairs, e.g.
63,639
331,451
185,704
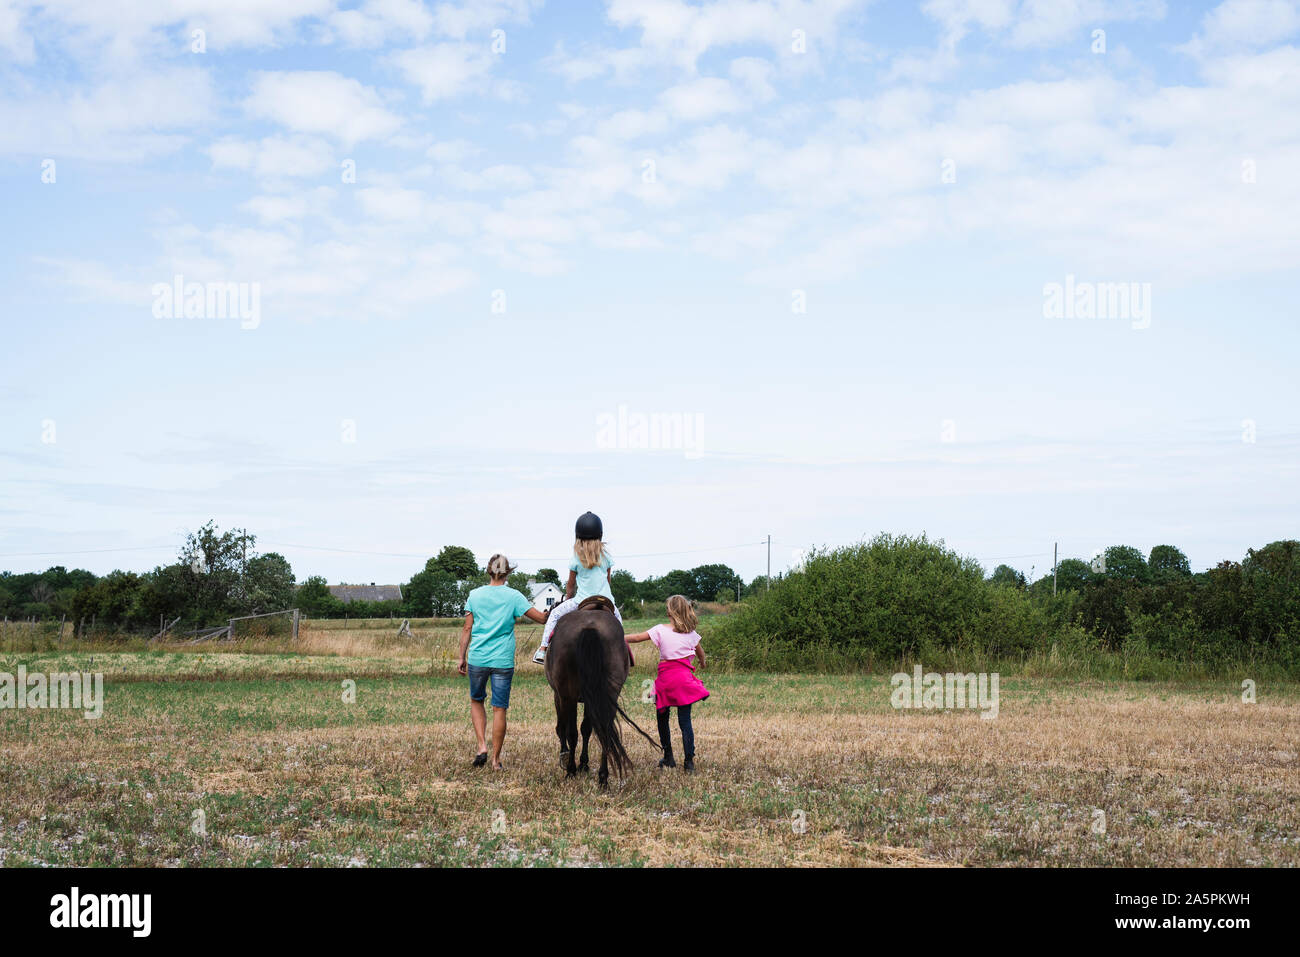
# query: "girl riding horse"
589,574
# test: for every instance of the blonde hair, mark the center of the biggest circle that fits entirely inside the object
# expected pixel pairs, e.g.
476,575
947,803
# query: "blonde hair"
499,567
589,551
681,612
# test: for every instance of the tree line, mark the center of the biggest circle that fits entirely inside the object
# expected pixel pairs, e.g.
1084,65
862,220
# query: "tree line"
220,574
898,598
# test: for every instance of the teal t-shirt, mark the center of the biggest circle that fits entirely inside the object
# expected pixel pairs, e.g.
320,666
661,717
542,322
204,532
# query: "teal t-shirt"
492,639
594,580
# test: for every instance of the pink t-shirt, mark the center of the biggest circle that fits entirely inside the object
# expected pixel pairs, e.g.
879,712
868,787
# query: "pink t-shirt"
672,644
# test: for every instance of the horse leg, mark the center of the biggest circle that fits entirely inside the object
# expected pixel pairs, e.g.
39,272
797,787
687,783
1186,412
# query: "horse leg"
561,731
586,737
567,729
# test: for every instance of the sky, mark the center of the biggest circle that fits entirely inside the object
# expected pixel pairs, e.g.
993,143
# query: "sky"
1010,273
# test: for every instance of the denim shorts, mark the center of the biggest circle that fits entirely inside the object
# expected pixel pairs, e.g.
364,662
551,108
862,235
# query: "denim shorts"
501,677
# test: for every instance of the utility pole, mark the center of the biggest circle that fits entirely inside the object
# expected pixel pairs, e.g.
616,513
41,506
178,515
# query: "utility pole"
769,563
1054,546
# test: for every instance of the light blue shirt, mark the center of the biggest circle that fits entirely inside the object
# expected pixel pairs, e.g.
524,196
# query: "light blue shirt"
492,638
592,581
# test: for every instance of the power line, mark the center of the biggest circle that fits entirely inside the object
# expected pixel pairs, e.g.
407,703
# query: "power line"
355,551
379,554
90,551
521,558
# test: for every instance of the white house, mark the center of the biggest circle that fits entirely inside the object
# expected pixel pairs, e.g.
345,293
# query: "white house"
545,594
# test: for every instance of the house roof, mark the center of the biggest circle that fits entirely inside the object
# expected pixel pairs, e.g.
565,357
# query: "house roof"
537,588
346,593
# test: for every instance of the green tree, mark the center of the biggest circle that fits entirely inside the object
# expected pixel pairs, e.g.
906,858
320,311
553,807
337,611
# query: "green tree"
457,561
1126,563
709,580
212,582
624,586
113,600
268,584
315,601
519,582
550,575
1168,562
1271,589
676,582
445,596
417,594
1072,574
1007,576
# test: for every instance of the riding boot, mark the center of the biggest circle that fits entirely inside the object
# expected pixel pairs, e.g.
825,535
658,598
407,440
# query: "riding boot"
665,741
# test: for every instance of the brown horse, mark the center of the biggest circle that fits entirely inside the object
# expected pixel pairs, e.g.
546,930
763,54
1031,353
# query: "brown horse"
587,663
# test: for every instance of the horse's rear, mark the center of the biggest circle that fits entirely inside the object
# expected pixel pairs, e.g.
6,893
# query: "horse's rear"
588,662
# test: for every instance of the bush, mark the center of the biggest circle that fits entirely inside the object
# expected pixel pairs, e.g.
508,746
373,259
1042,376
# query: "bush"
893,599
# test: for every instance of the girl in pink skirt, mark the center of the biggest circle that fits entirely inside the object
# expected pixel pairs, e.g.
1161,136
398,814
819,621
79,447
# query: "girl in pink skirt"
677,686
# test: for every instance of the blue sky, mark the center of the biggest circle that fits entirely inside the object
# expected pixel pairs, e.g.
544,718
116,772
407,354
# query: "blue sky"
817,232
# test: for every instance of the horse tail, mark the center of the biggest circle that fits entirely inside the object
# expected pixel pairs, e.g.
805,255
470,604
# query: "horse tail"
599,698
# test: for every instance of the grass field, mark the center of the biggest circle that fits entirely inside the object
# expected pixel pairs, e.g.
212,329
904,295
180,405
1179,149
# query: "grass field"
257,745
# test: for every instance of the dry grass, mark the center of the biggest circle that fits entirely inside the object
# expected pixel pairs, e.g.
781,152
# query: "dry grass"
285,773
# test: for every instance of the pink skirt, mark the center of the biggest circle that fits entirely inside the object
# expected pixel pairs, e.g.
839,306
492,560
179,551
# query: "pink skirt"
677,684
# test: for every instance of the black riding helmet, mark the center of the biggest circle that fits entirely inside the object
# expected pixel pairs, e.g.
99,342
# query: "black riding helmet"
588,526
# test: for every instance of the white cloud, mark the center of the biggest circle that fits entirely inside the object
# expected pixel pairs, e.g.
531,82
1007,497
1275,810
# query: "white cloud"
1237,25
321,102
123,32
700,99
452,151
754,76
501,178
444,70
123,119
633,124
1035,23
274,156
676,33
14,40
376,22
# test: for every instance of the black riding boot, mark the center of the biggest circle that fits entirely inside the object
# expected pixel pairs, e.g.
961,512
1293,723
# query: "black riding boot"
665,741
688,737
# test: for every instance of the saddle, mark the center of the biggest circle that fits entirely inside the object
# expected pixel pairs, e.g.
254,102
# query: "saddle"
601,603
